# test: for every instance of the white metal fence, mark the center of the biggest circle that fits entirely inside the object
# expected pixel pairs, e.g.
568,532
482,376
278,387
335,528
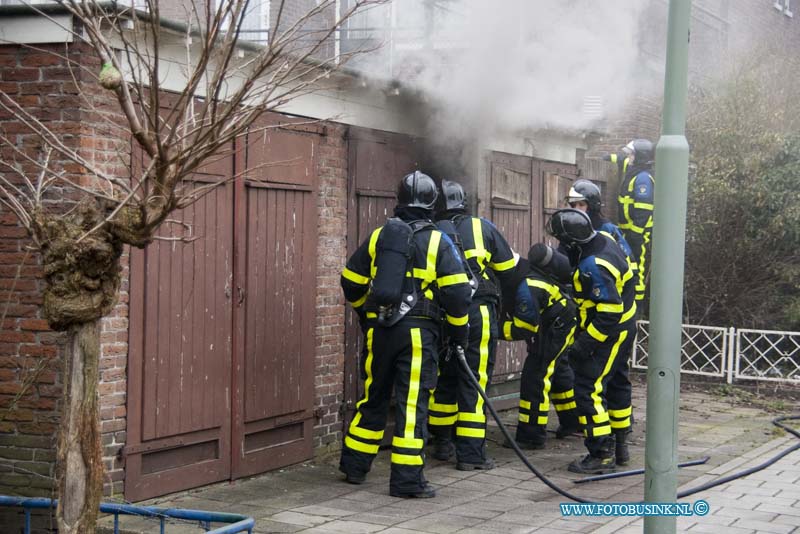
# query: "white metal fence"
731,353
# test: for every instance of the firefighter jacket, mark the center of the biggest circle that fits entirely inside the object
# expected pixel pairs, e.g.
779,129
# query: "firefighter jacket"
636,201
538,300
604,285
437,274
485,249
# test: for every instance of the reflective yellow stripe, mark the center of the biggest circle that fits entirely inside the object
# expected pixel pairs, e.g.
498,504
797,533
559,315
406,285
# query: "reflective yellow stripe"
471,432
600,418
360,302
582,419
452,279
601,430
355,277
368,372
595,333
519,323
366,433
598,384
445,408
628,314
507,330
406,459
360,447
480,253
407,443
621,424
524,404
457,321
643,206
413,384
503,265
373,241
565,395
442,421
610,308
619,414
483,374
542,420
544,406
524,418
433,250
472,417
567,406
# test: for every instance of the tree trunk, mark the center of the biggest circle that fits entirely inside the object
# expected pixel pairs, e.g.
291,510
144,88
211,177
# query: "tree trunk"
80,483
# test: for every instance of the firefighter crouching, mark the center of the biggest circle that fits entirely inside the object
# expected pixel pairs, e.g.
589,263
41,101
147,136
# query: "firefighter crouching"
604,292
400,281
541,312
455,403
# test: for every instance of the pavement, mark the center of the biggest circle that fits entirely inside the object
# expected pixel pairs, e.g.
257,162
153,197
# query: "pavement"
734,432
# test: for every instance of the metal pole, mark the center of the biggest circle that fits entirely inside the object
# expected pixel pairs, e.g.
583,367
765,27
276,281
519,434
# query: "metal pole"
669,225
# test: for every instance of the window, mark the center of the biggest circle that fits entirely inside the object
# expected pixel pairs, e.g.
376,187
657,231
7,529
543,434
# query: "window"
784,6
255,21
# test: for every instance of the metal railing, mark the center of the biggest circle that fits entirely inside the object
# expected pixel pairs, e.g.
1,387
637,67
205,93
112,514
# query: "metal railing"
236,523
731,353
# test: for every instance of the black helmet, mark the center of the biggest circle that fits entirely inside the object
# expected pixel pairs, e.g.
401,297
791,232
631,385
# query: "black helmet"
642,150
571,226
417,190
588,192
454,197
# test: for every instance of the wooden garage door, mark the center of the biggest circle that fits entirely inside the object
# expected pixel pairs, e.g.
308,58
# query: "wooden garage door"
221,340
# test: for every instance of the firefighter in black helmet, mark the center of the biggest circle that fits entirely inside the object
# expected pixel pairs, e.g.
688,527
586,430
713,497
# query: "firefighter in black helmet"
604,292
456,409
401,281
586,196
636,200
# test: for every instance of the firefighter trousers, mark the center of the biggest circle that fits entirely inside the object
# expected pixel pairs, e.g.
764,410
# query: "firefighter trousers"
602,389
456,408
546,377
403,357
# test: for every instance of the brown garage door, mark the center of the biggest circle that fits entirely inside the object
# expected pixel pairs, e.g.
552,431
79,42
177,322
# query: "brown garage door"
220,380
520,204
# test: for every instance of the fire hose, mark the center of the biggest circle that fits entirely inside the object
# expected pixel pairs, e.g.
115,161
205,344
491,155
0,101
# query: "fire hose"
778,421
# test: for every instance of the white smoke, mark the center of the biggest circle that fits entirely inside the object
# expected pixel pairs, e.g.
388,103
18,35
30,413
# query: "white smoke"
515,64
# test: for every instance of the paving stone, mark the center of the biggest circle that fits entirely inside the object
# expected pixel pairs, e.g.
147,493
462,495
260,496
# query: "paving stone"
440,523
763,526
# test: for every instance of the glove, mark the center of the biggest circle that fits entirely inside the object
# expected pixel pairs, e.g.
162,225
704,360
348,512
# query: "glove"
459,336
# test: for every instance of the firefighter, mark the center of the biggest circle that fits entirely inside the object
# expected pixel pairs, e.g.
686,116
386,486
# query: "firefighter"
542,314
456,408
402,281
636,198
586,196
604,293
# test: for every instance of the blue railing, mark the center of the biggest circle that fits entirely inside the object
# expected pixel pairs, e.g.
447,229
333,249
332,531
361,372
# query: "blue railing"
236,523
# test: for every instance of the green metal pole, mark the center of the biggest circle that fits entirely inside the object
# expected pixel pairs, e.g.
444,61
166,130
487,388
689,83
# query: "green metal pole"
666,291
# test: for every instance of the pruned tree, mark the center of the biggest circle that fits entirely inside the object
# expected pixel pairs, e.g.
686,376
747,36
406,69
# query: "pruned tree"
225,83
743,221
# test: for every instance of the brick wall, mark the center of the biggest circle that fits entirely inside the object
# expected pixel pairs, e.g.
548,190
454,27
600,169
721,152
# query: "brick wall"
331,256
30,354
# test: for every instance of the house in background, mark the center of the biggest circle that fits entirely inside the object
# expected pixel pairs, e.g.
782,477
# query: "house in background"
235,354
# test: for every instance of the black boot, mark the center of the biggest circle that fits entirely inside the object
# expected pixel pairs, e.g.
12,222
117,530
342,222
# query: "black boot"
621,453
598,462
443,448
593,465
